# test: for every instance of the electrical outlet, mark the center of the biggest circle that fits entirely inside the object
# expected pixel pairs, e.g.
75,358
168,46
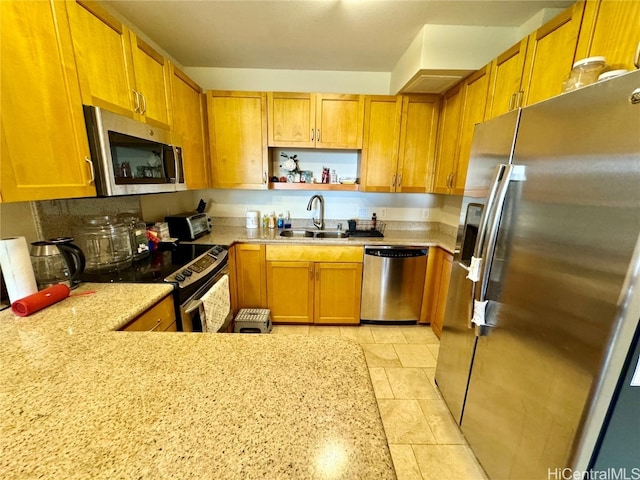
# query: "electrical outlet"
382,213
426,214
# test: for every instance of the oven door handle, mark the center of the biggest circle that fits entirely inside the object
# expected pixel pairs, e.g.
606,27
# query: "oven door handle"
192,306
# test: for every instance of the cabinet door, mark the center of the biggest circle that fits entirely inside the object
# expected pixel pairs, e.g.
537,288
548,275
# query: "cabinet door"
339,121
337,293
102,49
550,55
379,160
250,275
418,136
159,318
506,78
39,88
292,119
152,82
290,291
473,111
448,135
237,123
610,28
188,108
446,262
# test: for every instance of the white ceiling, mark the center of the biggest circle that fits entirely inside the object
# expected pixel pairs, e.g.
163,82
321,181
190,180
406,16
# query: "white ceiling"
341,35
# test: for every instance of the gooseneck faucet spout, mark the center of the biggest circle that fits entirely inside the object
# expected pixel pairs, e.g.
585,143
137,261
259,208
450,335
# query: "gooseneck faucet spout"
319,222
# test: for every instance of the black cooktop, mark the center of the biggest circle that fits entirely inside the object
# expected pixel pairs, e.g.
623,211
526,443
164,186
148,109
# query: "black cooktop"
159,264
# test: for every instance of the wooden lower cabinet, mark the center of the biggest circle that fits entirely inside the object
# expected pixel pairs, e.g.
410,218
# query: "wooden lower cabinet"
159,318
250,281
306,284
436,287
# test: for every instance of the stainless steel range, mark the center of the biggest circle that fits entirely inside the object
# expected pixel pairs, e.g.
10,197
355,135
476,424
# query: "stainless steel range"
192,269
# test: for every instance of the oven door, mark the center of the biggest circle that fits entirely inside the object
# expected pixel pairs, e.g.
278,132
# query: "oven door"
193,310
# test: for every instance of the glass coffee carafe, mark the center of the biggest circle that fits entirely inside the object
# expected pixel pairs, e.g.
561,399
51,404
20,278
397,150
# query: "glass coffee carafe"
55,261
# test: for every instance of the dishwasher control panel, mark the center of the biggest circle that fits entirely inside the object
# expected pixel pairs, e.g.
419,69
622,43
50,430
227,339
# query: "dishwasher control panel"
396,252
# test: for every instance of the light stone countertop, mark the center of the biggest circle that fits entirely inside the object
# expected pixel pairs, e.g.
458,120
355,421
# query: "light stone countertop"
80,400
227,235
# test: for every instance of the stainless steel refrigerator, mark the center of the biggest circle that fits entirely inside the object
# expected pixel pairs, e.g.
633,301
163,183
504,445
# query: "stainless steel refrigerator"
543,300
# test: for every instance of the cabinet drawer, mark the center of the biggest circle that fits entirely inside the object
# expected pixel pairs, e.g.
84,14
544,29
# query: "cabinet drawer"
159,318
313,253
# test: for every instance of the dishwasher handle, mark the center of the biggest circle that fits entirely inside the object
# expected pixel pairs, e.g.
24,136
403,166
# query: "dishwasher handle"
396,252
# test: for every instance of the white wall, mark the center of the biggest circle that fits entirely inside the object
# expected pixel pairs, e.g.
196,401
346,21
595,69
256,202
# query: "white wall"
266,80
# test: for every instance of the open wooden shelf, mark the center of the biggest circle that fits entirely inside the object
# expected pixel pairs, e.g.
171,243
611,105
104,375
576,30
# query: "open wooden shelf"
314,186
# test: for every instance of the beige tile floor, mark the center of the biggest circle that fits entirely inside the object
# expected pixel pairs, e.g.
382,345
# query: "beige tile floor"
425,441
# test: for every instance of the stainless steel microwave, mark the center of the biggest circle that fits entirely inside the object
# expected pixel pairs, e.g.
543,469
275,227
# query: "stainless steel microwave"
130,157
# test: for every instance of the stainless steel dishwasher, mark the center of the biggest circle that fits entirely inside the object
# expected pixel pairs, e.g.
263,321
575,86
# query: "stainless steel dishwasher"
392,284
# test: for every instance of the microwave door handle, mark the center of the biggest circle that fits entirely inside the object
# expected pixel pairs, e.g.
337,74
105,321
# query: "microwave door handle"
176,164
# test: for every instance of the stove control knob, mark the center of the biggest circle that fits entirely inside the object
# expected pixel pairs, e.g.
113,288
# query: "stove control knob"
187,272
180,277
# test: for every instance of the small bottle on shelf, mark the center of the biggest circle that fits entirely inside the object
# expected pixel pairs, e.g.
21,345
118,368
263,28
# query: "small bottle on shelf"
334,177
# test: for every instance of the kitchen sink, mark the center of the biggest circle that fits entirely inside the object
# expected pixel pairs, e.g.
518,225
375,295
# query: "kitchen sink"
297,233
330,234
313,234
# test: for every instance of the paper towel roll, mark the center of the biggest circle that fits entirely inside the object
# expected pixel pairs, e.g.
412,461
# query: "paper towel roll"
16,268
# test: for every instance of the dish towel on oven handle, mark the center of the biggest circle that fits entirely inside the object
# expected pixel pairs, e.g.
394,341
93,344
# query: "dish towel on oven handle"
216,305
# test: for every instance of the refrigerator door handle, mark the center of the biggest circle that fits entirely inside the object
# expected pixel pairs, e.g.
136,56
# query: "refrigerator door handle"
486,213
511,173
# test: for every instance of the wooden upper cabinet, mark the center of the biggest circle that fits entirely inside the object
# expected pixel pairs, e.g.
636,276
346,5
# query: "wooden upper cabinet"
550,54
379,160
117,70
102,48
237,123
610,28
292,119
506,80
448,139
152,83
418,135
189,109
399,143
44,147
339,121
476,87
315,120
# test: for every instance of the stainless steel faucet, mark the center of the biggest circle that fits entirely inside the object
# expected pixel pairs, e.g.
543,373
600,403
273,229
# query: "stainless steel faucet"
318,223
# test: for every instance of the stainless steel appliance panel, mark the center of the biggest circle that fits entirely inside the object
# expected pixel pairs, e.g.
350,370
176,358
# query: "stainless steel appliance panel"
565,241
492,145
392,283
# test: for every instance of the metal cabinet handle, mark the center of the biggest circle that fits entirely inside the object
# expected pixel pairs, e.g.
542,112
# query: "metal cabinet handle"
511,101
155,327
265,177
393,182
519,98
136,101
399,180
311,274
317,274
312,132
91,169
144,104
318,135
636,60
